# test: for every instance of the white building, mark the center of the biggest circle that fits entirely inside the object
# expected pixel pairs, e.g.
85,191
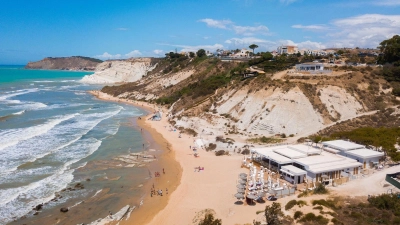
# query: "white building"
243,53
287,49
311,162
310,67
369,158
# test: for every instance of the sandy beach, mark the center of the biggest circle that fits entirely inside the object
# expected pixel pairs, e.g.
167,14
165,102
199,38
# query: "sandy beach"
211,188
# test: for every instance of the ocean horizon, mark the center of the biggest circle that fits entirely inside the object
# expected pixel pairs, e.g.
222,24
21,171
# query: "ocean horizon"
53,135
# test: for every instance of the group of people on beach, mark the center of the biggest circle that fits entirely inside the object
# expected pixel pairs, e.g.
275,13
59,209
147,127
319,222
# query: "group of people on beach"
157,174
159,192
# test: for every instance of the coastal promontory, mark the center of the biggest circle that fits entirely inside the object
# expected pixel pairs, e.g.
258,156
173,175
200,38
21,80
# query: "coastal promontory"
65,63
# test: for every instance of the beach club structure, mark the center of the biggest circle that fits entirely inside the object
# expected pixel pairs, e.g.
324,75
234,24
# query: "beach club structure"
302,162
369,158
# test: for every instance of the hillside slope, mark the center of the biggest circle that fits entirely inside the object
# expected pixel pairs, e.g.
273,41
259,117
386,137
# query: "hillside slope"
211,97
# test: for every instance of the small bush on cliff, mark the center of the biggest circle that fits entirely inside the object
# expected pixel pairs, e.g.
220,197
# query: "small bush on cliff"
220,152
211,147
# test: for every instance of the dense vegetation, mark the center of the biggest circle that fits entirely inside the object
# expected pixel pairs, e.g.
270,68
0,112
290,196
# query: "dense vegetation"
390,58
202,88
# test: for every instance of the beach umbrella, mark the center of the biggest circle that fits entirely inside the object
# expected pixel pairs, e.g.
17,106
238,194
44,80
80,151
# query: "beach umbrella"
241,190
240,186
261,194
251,196
243,177
239,195
242,182
243,174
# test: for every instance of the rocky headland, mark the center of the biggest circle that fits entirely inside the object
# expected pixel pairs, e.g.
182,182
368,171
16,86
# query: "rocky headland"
65,63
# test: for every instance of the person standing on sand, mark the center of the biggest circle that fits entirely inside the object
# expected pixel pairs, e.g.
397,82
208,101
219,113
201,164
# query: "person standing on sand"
166,190
163,170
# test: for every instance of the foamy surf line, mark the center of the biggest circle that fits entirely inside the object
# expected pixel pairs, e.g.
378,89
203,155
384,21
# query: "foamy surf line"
12,137
12,159
14,200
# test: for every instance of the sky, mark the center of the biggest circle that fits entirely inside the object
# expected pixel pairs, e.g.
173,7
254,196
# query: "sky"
31,30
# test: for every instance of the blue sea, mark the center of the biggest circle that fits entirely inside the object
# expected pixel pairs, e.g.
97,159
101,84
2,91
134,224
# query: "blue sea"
51,129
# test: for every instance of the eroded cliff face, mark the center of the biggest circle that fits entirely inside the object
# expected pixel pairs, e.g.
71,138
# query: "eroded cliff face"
65,63
121,71
260,106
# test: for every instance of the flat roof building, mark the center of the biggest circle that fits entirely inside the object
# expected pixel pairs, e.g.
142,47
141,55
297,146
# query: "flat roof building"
369,158
342,145
316,163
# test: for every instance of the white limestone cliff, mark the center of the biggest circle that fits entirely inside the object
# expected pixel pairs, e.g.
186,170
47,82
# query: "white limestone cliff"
120,71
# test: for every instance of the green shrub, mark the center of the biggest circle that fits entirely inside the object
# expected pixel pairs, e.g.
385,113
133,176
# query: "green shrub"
245,151
220,152
320,189
318,207
336,221
301,203
326,203
209,220
310,217
211,147
297,215
190,132
290,204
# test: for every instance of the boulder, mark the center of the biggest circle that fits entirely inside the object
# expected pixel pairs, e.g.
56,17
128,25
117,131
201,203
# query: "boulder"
38,207
64,210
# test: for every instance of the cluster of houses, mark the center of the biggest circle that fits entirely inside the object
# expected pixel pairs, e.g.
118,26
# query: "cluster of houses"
332,160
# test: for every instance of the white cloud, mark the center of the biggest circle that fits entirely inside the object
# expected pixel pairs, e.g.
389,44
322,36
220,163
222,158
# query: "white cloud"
158,51
106,55
248,31
364,31
134,53
242,30
386,2
263,45
310,27
311,45
205,38
122,28
188,48
222,24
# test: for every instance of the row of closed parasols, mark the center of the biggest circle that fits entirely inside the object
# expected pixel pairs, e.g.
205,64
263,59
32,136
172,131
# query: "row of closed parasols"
241,189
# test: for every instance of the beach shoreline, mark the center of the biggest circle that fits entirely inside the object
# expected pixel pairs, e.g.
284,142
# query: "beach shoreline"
211,189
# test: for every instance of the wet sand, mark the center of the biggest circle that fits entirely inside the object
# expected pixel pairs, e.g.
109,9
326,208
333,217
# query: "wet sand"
144,213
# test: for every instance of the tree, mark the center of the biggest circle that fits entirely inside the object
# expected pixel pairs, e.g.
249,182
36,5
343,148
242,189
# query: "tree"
391,51
191,54
253,46
201,53
274,214
209,220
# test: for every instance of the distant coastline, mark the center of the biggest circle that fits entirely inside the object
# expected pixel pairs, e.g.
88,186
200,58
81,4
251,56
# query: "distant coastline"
73,63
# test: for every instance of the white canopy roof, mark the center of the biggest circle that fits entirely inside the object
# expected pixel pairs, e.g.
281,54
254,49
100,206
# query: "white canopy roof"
326,162
292,170
268,153
289,152
306,149
365,153
342,145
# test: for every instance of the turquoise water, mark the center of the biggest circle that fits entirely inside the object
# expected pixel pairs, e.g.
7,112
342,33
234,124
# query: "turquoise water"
18,73
50,127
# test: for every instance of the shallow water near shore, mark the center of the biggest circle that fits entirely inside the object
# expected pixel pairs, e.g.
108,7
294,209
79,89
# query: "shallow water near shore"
54,135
